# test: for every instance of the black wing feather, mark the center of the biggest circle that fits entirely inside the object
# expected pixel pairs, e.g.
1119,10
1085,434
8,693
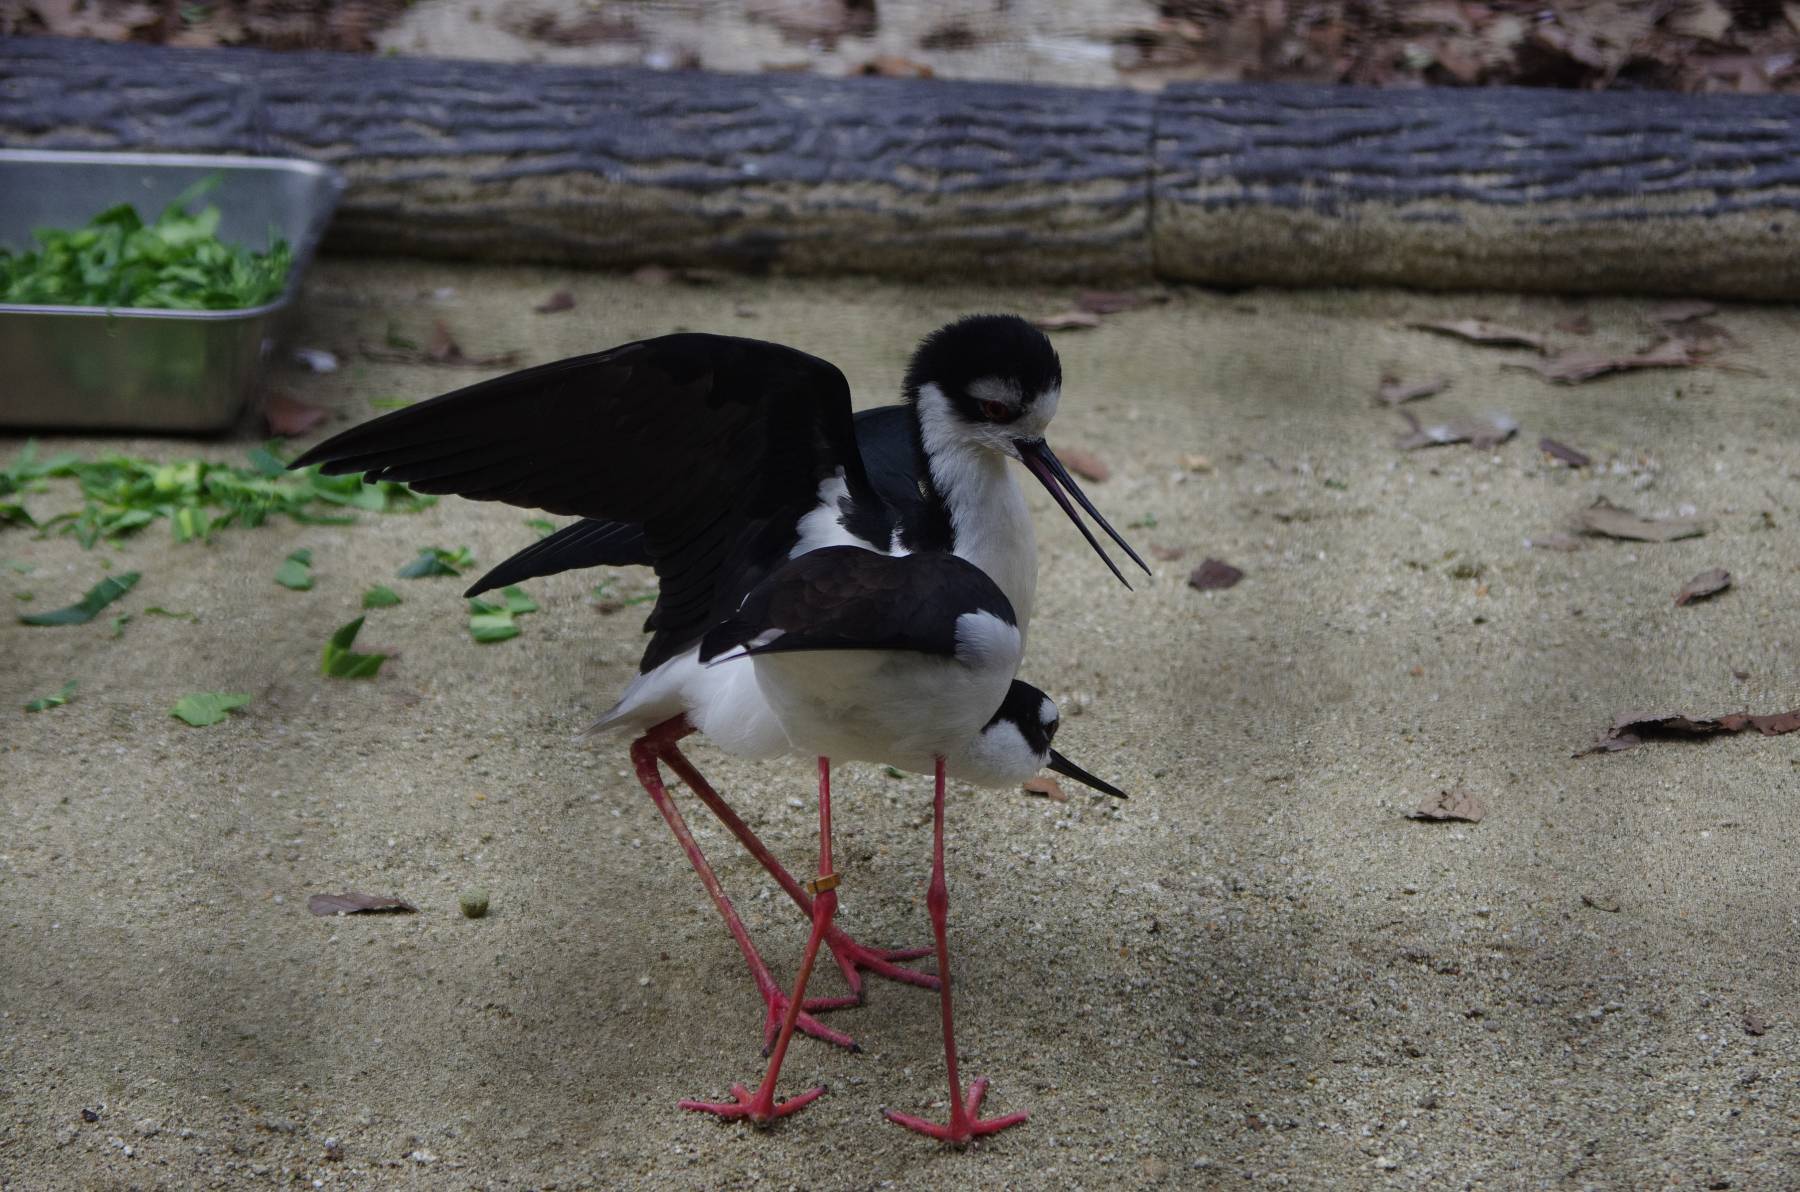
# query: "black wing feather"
700,440
585,543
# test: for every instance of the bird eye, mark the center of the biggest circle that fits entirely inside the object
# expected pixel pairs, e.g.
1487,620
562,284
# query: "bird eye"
996,411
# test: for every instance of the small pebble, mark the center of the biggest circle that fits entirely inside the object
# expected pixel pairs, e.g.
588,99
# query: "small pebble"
474,903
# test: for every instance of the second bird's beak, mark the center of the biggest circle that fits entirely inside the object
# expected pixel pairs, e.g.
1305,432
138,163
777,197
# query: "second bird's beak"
1068,769
1041,462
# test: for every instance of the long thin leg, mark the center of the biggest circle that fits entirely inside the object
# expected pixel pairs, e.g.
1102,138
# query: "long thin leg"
965,1120
851,956
760,1107
644,754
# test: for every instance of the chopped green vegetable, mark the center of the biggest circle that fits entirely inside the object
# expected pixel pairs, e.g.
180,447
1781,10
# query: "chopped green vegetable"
893,772
207,707
89,606
296,571
1146,522
340,662
490,623
26,596
124,494
12,514
543,525
119,261
157,610
380,596
435,560
118,624
517,601
390,403
53,701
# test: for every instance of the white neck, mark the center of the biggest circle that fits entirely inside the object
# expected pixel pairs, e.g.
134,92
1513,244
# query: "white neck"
987,508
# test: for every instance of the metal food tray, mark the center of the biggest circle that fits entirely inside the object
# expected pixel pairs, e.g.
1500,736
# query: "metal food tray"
138,369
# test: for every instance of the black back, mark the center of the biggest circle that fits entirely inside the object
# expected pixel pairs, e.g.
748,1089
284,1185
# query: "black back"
847,598
713,445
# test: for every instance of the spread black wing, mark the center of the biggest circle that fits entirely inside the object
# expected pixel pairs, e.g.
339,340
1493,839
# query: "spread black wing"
713,445
846,598
891,455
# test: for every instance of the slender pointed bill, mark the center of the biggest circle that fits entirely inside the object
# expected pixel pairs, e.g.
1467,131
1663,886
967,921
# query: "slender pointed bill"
1069,769
1037,457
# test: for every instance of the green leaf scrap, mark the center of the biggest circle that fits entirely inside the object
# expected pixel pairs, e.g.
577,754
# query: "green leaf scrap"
489,623
89,606
296,571
53,701
544,526
435,560
516,600
340,662
380,596
207,707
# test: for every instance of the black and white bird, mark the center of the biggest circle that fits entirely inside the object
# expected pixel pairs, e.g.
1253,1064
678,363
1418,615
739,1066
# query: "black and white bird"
725,463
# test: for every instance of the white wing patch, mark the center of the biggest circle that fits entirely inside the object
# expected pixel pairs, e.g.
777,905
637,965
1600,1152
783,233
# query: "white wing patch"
823,525
984,640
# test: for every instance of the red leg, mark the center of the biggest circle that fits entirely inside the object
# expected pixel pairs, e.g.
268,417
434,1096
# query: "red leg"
644,754
761,1107
965,1121
852,958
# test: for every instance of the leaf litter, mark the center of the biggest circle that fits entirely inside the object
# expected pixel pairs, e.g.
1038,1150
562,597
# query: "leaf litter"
1481,433
1564,453
1572,366
1214,574
1634,728
1480,331
358,904
1707,583
1605,518
89,606
1451,805
1393,391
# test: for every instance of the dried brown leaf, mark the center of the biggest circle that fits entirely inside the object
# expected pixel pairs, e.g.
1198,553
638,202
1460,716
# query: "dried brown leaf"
1395,392
1578,325
1601,902
1564,452
1085,464
1068,320
1603,517
1575,365
1670,313
561,300
1047,788
1480,331
1634,728
290,416
1707,583
1168,554
1213,574
1480,433
1755,1022
355,904
1112,302
1458,805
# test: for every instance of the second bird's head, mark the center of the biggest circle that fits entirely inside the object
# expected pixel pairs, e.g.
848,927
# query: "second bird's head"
1015,744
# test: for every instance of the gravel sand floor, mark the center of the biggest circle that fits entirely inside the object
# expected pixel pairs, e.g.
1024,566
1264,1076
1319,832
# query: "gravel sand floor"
1255,972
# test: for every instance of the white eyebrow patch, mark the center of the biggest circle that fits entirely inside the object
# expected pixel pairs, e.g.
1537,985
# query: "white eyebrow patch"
1001,389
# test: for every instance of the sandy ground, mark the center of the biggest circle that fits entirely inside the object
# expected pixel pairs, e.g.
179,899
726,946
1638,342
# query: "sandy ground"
1256,972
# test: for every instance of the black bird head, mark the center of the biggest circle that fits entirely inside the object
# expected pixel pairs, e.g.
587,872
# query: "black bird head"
1015,744
992,383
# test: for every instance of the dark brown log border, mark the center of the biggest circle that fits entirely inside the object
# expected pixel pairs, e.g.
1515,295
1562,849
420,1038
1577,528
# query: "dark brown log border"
1223,185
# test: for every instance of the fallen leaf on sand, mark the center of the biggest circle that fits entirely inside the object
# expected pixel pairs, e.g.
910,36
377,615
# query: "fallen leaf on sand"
1480,433
1085,464
1579,325
1214,573
1480,331
1068,320
1394,391
443,349
1754,1022
1457,805
1634,728
355,904
1048,788
1601,902
291,416
1707,583
1112,302
1670,313
1564,452
1167,554
1562,542
1603,517
1575,365
561,300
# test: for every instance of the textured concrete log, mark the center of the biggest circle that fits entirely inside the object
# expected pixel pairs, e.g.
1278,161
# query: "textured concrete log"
1500,188
624,167
1237,185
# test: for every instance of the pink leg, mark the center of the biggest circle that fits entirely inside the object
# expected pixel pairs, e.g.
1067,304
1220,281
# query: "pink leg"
645,752
760,1107
965,1121
851,956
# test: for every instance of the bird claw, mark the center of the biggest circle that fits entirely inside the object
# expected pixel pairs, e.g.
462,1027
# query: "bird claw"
853,958
777,1002
759,1108
962,1128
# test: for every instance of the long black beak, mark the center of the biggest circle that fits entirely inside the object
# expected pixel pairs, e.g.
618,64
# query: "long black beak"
1042,463
1069,769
